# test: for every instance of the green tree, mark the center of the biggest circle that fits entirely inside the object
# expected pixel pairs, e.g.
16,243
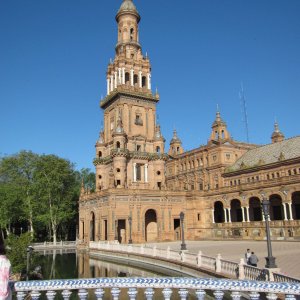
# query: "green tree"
88,178
55,187
16,187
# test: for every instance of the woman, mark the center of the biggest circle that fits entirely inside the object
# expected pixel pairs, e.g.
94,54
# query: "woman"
5,268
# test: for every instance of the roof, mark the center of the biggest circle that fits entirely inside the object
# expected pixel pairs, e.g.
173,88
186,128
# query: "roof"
126,7
268,154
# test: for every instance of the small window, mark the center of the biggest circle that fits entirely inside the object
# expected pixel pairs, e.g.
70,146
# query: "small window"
289,172
199,217
228,156
201,186
99,154
278,175
158,172
138,148
118,170
118,182
159,185
138,120
214,157
99,176
295,171
138,172
118,145
268,176
178,149
157,149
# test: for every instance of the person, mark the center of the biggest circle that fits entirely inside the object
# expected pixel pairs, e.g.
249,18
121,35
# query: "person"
247,256
253,260
5,269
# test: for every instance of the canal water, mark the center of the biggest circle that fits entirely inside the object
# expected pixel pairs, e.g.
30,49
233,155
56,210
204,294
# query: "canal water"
58,265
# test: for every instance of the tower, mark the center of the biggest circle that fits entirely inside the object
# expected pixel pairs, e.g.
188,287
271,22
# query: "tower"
219,130
175,145
277,135
130,150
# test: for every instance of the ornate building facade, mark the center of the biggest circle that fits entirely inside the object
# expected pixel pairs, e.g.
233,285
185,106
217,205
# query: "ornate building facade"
141,190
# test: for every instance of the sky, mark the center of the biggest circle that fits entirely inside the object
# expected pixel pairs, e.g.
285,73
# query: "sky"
54,55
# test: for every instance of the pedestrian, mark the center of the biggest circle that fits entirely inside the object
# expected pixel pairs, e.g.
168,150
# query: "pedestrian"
253,260
247,256
5,269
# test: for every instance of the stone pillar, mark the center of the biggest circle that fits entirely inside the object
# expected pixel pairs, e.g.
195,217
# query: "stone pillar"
116,80
134,172
131,77
149,81
108,86
229,215
123,75
243,214
140,79
284,211
291,211
111,83
213,215
263,216
225,214
146,172
247,212
119,76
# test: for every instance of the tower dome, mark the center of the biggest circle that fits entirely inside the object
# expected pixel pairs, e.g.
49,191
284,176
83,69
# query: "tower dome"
128,7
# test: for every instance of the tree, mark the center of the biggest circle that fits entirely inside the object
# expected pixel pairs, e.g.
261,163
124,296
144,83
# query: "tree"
55,186
88,179
16,187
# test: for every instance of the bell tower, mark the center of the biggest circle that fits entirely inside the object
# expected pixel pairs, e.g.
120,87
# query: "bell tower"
131,144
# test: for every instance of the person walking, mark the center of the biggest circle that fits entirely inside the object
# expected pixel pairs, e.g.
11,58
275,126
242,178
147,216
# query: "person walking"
5,269
253,260
247,256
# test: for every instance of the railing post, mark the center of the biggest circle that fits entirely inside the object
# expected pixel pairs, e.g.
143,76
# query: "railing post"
66,294
115,293
254,296
99,294
183,293
236,295
241,269
35,295
218,295
132,292
50,295
200,294
82,294
290,297
167,293
149,292
21,295
199,259
271,296
218,263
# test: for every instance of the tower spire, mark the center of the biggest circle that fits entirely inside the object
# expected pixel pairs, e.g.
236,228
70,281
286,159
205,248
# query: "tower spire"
277,135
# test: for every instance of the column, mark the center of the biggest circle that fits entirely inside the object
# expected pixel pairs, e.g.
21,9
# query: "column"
225,214
123,75
149,81
243,214
229,215
140,79
247,212
291,211
146,172
284,211
263,216
116,80
111,83
119,76
213,215
131,77
134,172
108,86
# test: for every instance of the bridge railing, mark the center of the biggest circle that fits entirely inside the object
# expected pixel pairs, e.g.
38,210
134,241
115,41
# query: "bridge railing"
60,244
153,288
218,265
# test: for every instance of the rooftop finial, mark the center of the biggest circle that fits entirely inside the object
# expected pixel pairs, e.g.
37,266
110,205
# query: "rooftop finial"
218,115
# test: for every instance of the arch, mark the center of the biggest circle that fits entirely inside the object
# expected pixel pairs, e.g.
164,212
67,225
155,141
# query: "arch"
135,79
92,227
276,209
236,211
118,145
151,228
143,81
157,149
255,213
131,34
127,78
296,205
99,154
219,212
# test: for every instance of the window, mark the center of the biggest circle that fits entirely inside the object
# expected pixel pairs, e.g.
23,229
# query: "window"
138,120
159,185
214,157
118,145
118,170
99,154
111,124
158,172
118,182
138,148
289,172
201,186
227,156
199,217
131,34
157,149
99,176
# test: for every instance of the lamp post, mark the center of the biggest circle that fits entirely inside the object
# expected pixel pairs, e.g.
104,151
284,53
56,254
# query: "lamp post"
183,245
130,224
29,249
270,260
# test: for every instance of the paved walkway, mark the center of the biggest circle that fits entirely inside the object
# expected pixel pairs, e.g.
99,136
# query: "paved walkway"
287,253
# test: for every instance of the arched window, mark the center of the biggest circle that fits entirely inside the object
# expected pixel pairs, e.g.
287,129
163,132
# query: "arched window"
99,154
143,81
135,79
157,149
127,78
118,145
131,34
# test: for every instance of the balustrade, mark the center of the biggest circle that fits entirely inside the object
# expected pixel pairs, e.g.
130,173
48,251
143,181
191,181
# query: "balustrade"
167,286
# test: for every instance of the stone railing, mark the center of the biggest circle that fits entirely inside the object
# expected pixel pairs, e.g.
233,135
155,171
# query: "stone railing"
128,288
202,262
57,245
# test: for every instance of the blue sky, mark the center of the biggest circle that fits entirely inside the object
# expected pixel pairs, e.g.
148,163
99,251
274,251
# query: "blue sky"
54,54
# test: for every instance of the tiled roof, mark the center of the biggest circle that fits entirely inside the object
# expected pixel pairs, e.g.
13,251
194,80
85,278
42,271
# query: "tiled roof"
267,154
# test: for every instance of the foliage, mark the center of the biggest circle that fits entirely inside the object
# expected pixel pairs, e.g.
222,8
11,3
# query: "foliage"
17,251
